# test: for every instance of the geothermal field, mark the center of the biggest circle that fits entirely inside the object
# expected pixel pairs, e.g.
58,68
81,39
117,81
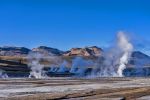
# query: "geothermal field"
75,89
74,49
116,74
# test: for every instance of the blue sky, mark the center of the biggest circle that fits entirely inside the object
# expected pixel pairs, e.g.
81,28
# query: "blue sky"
73,23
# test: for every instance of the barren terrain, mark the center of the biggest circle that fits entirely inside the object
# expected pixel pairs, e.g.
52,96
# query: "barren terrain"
75,89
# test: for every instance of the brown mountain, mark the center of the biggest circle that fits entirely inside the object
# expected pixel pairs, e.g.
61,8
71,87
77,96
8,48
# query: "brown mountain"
87,51
13,59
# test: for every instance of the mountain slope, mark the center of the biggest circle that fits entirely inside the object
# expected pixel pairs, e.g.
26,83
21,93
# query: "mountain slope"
87,51
14,51
48,51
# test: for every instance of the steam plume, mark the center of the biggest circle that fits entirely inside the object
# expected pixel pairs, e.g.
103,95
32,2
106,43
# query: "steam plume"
110,64
116,58
63,67
79,66
36,68
126,48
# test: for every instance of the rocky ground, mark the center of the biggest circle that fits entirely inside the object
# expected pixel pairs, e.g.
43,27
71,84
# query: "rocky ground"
75,89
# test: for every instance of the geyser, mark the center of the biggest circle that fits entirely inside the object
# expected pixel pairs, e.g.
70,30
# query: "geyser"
80,65
35,66
63,67
111,63
126,49
115,58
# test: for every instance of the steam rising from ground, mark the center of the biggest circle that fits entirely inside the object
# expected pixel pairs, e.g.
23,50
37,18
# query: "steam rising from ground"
35,60
63,67
126,49
36,68
79,66
115,59
110,64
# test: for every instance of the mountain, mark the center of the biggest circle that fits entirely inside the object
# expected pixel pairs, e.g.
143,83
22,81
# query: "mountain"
140,55
140,59
14,61
87,51
14,51
48,51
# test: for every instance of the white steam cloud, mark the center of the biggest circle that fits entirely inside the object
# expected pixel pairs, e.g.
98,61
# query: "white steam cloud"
116,58
80,65
110,64
63,67
35,66
126,48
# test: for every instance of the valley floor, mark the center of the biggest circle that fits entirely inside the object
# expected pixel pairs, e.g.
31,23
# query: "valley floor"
75,89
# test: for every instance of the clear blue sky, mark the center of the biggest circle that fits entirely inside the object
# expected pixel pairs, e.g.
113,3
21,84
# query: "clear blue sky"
72,23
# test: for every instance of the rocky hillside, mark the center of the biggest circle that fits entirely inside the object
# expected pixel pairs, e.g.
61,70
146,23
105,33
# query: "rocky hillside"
13,59
14,51
48,51
87,51
22,51
140,59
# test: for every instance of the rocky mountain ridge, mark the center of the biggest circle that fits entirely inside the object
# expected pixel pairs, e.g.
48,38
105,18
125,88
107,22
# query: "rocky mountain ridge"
48,51
22,51
13,59
14,51
85,52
